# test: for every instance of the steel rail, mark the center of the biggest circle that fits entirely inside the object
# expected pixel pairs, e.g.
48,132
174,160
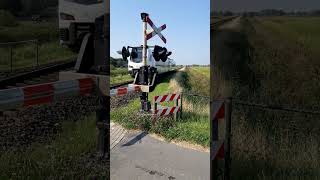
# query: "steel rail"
35,73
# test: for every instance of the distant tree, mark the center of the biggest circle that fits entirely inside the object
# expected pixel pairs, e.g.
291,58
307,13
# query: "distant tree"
118,62
315,13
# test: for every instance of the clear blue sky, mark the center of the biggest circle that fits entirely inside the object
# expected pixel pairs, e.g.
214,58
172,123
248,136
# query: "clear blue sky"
187,32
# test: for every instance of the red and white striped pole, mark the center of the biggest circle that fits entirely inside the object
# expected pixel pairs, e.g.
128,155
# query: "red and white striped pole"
220,147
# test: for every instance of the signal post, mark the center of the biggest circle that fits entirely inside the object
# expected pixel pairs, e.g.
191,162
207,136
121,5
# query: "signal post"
144,70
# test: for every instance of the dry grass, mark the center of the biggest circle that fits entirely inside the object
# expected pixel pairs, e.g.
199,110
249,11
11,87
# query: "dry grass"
273,144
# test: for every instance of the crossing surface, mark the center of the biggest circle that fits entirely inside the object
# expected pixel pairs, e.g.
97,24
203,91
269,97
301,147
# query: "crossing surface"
140,156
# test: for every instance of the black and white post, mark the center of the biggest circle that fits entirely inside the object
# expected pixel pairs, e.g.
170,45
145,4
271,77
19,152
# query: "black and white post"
144,70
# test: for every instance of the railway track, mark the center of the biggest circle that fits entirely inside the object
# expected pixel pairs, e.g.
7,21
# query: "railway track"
44,74
215,25
116,85
24,126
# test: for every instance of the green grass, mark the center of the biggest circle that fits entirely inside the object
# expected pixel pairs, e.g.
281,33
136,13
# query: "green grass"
24,55
60,158
198,80
205,71
304,31
192,127
119,75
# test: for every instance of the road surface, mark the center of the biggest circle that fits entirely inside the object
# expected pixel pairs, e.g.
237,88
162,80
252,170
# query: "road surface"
140,156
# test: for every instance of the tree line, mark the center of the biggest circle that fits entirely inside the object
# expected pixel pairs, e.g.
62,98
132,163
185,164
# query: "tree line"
268,12
26,7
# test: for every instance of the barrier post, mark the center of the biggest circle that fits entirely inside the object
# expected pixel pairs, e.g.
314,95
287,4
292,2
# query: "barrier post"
37,52
11,56
155,116
227,144
181,105
177,105
103,125
214,138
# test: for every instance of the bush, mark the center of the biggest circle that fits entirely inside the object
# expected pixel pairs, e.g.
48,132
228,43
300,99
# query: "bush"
7,19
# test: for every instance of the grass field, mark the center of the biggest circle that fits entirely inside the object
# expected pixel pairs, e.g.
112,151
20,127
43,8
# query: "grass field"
284,59
194,125
289,58
24,55
68,155
26,30
119,75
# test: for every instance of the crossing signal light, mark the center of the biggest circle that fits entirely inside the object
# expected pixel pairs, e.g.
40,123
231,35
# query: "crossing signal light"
125,53
161,53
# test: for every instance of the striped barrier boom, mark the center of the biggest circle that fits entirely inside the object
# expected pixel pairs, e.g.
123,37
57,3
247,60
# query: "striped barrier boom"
164,110
218,146
125,90
166,98
44,93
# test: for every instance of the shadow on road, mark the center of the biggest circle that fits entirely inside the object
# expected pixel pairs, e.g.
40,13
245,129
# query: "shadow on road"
136,139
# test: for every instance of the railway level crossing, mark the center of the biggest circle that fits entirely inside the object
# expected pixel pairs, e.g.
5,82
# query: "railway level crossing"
89,77
145,70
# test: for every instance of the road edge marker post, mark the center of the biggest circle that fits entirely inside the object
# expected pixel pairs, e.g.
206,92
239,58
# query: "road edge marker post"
217,149
220,148
227,144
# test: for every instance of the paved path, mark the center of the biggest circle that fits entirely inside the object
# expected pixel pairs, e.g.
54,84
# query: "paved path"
139,156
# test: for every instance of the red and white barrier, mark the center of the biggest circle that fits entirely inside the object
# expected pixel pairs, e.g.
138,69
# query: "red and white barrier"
164,110
44,93
125,90
218,146
166,98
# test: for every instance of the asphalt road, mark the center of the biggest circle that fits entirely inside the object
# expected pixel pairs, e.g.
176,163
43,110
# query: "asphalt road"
139,156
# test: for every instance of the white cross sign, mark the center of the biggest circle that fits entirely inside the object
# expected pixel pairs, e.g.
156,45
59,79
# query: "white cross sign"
156,31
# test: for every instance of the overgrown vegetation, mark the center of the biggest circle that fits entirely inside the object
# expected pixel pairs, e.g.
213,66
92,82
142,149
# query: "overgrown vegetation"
194,124
282,57
70,155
